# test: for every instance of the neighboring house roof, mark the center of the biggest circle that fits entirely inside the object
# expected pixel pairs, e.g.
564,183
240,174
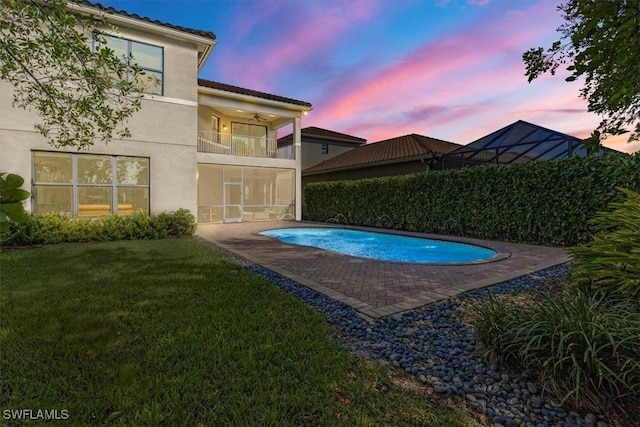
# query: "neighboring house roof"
243,91
521,142
109,9
324,134
393,150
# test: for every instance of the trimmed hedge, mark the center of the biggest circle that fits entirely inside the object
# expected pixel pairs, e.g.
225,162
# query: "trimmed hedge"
546,202
58,228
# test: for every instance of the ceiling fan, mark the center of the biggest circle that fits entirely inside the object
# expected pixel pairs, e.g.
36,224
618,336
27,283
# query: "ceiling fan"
258,118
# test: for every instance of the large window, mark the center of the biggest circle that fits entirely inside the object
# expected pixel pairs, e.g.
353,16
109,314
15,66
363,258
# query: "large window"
149,58
89,184
249,140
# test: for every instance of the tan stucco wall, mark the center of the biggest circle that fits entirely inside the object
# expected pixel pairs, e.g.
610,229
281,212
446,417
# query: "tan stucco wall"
164,130
172,166
312,152
225,159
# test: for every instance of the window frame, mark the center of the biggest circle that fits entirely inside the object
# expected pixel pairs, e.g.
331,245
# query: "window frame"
75,185
129,57
251,140
215,119
250,125
325,148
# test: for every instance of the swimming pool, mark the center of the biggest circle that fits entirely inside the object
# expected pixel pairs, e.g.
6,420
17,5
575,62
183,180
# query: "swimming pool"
382,246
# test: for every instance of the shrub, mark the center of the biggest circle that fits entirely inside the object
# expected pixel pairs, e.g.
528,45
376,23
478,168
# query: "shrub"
11,197
56,228
492,324
612,259
545,202
179,223
36,230
584,346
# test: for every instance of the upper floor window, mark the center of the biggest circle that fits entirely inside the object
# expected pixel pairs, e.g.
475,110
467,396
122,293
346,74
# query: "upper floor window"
325,148
148,58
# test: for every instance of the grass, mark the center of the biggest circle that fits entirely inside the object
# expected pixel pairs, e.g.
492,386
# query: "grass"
170,332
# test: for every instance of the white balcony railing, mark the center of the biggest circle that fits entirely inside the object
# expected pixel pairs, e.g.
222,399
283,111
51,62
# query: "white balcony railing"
240,145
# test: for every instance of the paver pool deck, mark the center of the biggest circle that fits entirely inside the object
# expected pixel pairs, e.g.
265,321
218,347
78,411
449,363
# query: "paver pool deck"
377,288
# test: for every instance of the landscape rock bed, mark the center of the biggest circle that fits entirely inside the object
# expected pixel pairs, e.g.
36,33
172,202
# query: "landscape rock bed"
437,347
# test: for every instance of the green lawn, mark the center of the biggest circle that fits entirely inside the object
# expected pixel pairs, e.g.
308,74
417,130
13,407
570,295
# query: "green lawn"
172,333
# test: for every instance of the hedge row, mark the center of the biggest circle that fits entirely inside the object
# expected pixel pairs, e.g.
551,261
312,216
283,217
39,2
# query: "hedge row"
57,228
547,202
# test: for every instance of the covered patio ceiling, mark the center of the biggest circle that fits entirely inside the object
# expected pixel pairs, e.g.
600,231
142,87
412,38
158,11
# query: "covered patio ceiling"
250,105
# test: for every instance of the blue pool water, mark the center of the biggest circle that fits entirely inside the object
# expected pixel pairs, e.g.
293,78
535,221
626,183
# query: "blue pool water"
382,246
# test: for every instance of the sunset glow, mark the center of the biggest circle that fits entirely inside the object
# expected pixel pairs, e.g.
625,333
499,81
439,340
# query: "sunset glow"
449,69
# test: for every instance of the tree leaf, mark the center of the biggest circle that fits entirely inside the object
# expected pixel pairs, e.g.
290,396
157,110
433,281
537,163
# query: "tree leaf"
601,43
10,182
48,56
15,211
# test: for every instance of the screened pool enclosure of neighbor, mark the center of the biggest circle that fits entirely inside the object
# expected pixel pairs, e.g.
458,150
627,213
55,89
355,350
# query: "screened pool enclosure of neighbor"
520,142
243,193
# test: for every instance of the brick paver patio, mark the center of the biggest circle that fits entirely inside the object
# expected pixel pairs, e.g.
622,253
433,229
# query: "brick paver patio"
375,288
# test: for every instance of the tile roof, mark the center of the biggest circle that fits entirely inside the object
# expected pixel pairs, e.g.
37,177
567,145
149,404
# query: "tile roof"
109,9
393,149
235,89
320,133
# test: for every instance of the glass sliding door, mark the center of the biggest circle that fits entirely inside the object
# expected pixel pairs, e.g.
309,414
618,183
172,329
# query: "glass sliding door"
215,129
249,140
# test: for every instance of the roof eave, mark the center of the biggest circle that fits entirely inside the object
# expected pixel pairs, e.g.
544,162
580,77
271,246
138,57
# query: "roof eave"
289,138
264,101
202,59
204,44
427,156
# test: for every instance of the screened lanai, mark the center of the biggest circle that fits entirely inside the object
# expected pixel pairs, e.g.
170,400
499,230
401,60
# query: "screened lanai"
520,142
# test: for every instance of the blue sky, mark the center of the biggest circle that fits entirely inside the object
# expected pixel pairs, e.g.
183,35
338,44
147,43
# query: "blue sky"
449,69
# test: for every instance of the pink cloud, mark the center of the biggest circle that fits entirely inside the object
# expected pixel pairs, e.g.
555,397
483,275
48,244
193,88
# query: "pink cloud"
429,120
446,72
303,31
617,142
555,111
458,88
620,143
552,106
478,2
252,15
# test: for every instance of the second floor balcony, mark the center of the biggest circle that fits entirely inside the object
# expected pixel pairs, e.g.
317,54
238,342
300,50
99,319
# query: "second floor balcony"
242,145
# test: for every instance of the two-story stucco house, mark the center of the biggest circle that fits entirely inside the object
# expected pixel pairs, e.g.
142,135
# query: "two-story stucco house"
196,144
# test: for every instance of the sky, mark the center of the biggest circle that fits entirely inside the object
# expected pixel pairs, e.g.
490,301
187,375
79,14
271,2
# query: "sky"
377,69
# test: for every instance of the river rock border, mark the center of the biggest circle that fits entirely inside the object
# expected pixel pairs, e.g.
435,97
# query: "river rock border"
434,345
